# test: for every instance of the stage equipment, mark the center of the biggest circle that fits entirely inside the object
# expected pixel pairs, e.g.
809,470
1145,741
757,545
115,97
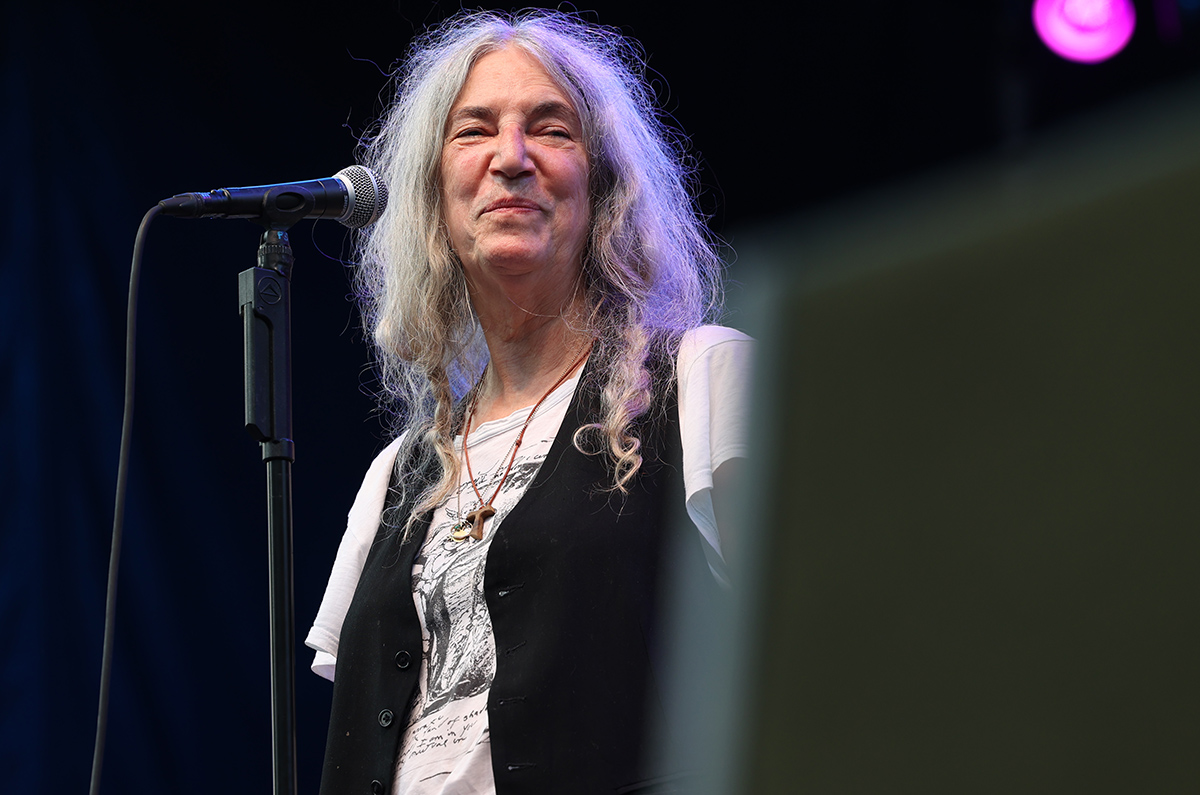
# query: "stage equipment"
1087,31
354,197
265,295
977,479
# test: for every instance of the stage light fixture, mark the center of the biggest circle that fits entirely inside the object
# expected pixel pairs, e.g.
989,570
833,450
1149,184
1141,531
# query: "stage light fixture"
1087,31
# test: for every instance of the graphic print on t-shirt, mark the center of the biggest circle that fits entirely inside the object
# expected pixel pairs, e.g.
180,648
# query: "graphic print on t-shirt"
447,737
448,579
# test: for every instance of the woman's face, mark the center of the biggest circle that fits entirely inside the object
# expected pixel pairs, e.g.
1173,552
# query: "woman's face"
515,175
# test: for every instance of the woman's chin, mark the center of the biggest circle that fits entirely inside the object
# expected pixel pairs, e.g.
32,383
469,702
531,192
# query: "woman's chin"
516,259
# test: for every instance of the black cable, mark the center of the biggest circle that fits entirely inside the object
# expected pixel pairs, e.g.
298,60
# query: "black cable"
110,605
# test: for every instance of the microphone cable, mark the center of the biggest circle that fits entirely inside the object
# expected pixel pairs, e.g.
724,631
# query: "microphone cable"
110,603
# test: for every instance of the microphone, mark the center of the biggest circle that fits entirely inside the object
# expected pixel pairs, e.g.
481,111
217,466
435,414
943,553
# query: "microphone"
355,196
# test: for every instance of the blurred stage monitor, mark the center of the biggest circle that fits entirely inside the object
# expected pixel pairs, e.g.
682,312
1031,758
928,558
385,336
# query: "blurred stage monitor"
980,493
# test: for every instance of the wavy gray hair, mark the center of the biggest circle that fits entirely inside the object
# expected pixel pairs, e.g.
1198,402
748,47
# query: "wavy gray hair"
650,269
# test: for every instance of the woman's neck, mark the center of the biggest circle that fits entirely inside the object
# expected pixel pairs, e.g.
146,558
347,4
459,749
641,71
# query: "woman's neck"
529,352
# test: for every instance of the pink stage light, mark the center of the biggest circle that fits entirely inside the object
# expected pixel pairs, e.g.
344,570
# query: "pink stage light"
1087,31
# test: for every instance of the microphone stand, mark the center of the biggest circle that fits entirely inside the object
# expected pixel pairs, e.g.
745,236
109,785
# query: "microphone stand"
265,295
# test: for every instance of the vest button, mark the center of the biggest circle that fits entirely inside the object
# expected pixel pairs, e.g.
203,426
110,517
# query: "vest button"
403,659
385,718
377,788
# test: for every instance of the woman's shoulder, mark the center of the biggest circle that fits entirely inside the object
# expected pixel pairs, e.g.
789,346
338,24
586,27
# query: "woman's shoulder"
707,341
382,465
364,513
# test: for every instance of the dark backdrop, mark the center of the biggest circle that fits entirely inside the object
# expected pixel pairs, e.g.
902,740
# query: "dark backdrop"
103,111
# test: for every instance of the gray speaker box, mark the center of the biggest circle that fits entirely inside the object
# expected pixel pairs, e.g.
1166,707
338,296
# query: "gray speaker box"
975,502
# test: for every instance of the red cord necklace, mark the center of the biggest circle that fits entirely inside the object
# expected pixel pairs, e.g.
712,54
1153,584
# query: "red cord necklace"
471,526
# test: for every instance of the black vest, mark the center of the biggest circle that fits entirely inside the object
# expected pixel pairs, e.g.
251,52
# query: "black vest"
572,586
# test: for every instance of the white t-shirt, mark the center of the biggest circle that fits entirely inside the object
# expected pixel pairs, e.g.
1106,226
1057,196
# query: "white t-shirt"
446,747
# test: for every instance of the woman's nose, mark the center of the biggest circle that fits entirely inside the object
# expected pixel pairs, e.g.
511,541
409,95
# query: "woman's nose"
512,156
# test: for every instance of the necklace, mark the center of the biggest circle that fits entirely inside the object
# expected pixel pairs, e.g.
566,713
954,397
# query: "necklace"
471,526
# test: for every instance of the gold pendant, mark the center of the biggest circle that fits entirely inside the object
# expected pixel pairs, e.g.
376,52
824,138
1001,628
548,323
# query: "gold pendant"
472,525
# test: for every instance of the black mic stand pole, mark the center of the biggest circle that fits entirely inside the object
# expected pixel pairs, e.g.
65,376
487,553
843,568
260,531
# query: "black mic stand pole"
265,294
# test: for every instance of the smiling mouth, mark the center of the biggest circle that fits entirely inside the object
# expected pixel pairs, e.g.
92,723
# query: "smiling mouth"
512,204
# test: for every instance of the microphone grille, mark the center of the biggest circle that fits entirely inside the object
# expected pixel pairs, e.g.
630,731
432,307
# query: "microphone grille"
368,196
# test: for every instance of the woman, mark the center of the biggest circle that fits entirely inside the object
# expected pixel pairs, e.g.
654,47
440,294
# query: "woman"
537,290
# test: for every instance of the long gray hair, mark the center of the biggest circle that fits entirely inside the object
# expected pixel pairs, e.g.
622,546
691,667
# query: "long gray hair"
650,268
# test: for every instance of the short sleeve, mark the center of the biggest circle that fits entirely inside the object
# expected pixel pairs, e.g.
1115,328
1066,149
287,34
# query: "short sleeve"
715,370
361,526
